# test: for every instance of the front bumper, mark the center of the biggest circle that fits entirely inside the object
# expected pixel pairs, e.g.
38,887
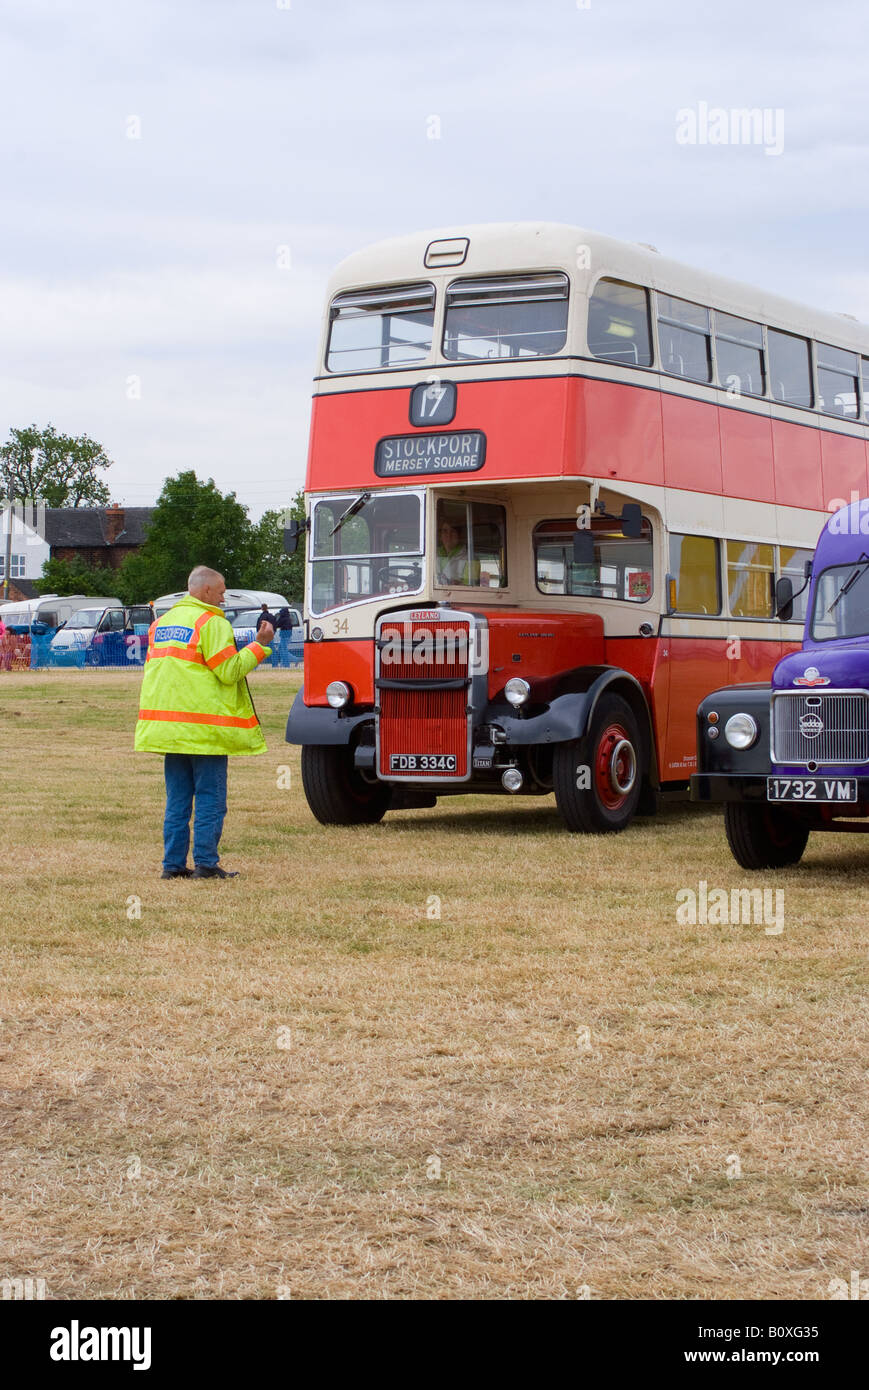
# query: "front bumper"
724,786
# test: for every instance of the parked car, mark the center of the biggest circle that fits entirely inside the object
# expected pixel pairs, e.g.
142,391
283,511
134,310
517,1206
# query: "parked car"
102,633
793,758
286,646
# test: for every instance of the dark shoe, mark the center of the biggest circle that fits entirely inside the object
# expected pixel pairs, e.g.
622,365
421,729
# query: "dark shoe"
177,873
202,871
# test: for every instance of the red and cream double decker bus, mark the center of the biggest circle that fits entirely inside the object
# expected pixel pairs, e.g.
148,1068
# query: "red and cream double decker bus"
553,480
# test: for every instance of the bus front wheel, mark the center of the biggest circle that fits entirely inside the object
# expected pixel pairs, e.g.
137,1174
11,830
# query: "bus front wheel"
336,793
597,778
763,836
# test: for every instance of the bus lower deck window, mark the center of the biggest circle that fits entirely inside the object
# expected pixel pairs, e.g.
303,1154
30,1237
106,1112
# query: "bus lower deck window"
621,568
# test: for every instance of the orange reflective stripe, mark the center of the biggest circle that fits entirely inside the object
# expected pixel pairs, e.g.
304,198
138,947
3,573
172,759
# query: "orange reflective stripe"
224,721
220,657
180,654
258,649
197,629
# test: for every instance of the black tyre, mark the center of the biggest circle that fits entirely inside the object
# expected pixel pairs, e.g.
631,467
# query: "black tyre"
337,794
609,760
764,837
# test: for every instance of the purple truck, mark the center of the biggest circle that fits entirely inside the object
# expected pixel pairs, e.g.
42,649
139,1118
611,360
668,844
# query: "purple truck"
793,758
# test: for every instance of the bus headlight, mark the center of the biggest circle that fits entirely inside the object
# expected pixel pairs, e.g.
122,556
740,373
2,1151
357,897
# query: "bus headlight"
517,691
740,730
338,694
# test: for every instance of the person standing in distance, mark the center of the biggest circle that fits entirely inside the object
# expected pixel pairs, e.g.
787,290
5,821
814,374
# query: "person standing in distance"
196,709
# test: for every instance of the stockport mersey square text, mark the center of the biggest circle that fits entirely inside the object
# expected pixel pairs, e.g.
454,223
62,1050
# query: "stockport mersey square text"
454,452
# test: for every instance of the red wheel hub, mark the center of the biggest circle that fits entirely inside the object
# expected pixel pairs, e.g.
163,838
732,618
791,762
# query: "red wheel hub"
615,767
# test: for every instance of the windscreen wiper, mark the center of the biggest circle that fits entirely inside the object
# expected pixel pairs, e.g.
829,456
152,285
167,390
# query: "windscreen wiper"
858,569
351,511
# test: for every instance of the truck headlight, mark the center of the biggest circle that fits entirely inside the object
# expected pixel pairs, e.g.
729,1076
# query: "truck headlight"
517,691
740,730
338,694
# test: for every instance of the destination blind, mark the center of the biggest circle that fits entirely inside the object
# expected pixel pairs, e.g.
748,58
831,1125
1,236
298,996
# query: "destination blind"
457,451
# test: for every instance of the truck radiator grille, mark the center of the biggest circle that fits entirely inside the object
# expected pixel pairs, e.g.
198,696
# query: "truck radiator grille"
832,727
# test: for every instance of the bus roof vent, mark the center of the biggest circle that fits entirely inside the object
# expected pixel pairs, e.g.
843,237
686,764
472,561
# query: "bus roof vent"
448,252
647,246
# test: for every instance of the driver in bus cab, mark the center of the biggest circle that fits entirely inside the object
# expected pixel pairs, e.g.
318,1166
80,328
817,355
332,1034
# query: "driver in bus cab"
453,565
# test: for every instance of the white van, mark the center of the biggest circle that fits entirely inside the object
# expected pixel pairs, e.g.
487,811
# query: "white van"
235,601
94,617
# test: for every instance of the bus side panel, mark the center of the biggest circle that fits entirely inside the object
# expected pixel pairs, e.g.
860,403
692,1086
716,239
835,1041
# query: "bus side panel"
349,659
523,422
697,665
746,455
618,431
753,659
843,464
643,658
692,446
797,452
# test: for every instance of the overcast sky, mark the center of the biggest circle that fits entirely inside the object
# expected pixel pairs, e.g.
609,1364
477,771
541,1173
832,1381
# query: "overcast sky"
304,124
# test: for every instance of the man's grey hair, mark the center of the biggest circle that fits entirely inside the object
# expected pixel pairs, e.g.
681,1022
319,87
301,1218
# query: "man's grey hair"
201,576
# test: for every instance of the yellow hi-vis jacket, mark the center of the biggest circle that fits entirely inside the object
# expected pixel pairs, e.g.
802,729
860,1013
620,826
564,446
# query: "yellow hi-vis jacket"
194,696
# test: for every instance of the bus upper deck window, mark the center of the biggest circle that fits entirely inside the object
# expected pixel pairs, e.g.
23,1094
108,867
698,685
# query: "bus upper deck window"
837,381
739,355
373,329
506,316
683,335
790,375
618,323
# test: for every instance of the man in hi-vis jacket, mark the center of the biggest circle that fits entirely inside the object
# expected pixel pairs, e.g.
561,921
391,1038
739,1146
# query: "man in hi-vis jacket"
195,708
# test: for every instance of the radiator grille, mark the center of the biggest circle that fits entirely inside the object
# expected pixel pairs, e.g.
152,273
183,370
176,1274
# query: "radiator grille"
417,721
832,727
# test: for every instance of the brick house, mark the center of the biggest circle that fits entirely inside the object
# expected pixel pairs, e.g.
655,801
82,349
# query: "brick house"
99,535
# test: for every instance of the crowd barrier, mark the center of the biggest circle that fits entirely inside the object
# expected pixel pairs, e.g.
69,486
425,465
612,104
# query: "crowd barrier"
21,650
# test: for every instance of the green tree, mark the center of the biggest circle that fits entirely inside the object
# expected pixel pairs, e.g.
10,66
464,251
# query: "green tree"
269,567
57,469
77,577
193,524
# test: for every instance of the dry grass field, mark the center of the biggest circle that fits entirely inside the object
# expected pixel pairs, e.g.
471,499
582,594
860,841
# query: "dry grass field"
302,1083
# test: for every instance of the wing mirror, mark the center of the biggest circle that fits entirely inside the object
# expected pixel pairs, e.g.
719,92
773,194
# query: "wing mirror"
583,547
292,531
784,598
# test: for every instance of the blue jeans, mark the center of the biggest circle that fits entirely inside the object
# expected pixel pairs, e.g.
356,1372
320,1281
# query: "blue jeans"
189,775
